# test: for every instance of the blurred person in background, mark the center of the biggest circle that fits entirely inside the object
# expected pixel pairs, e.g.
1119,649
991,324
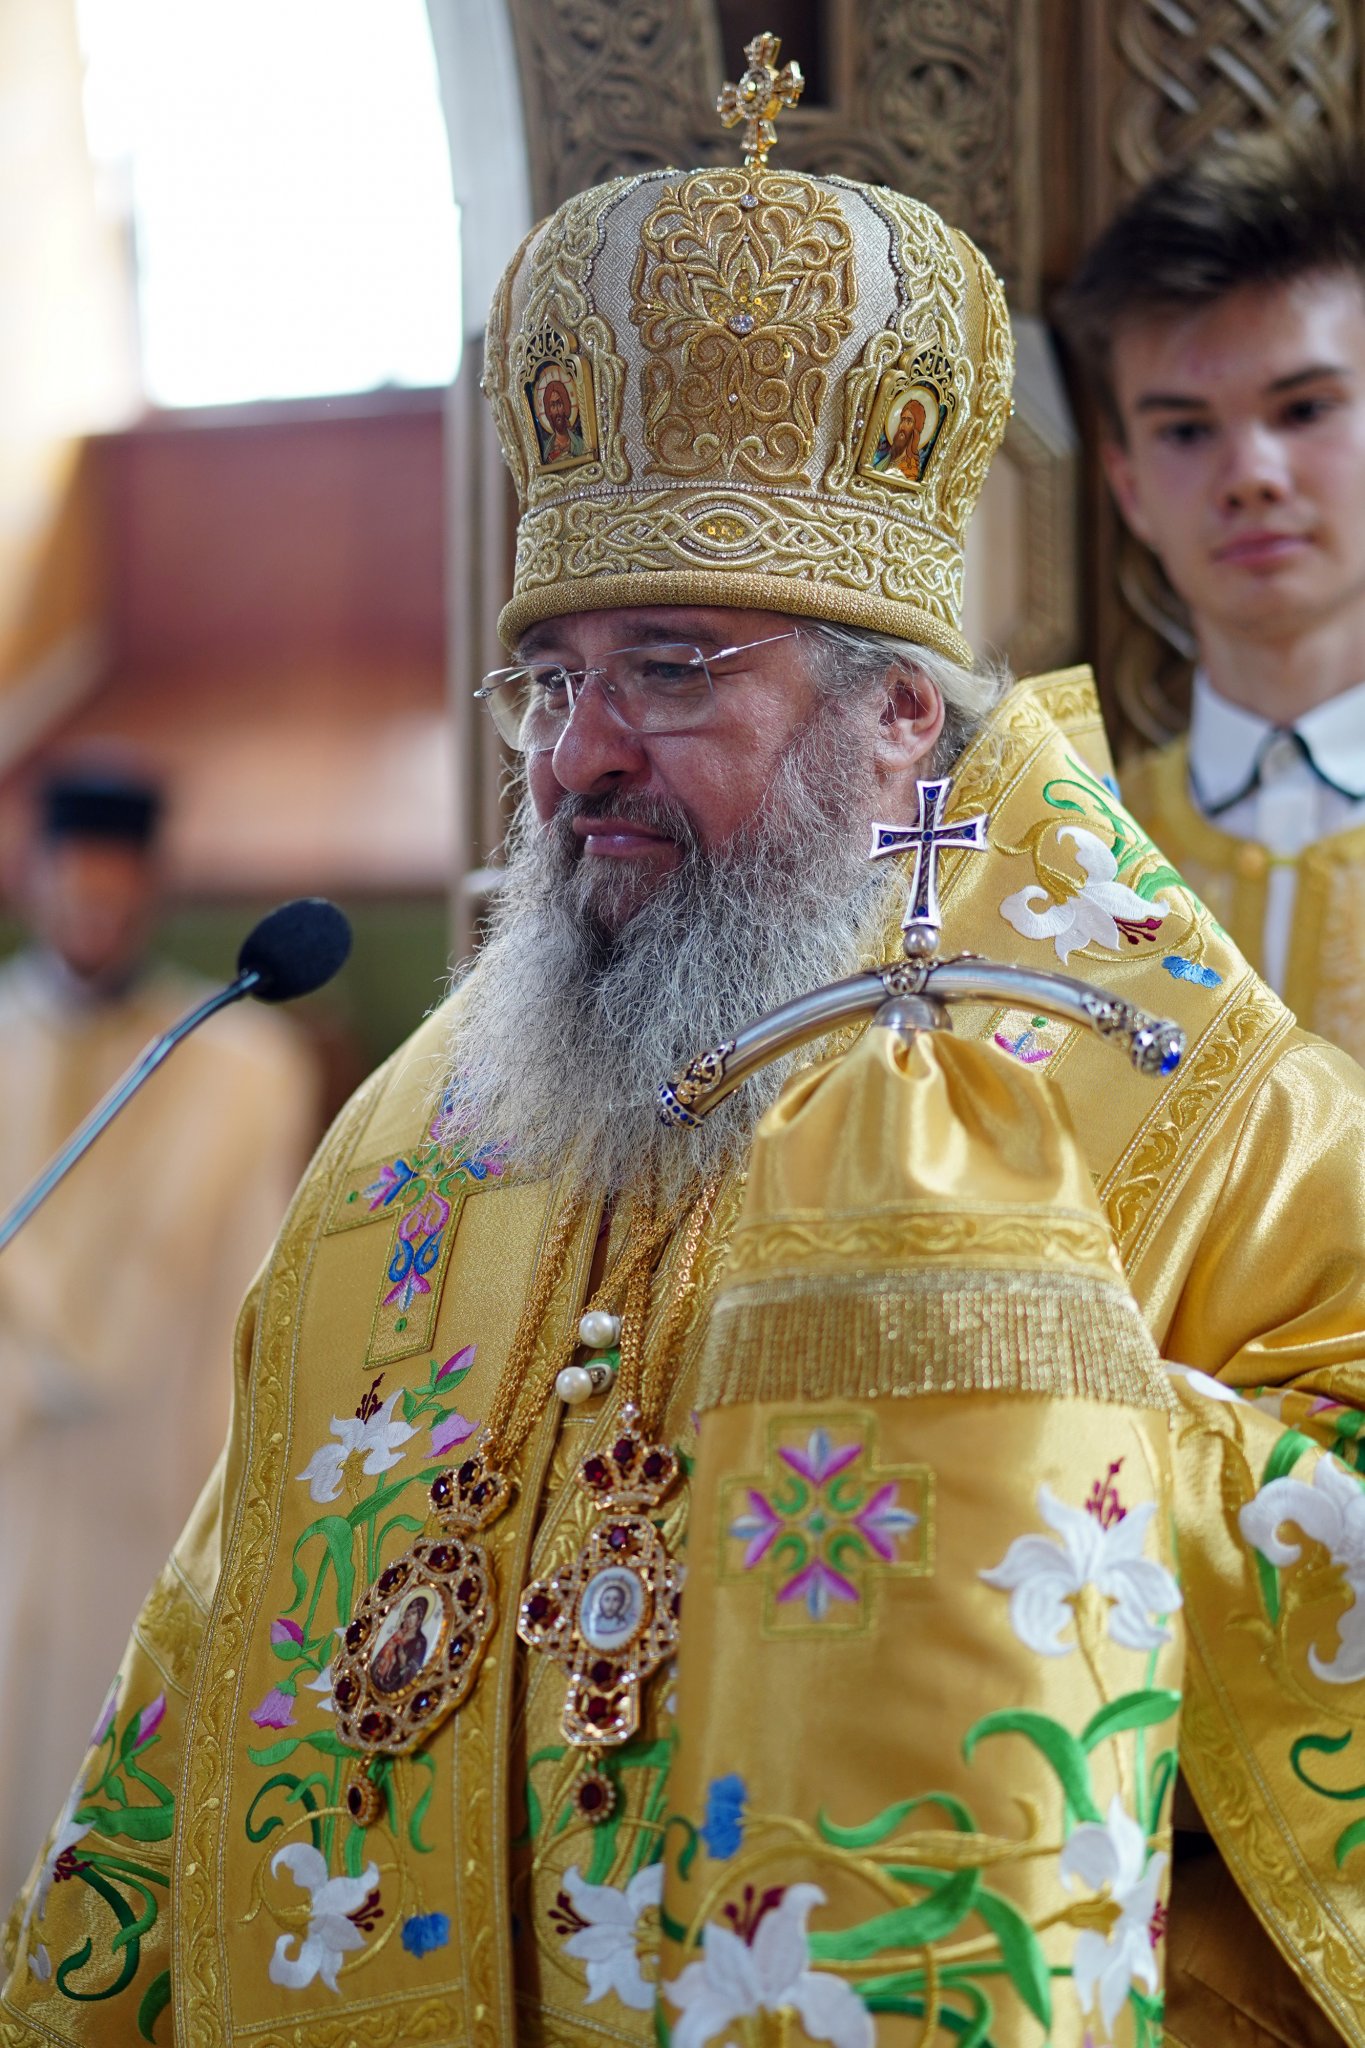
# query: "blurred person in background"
118,1299
1222,318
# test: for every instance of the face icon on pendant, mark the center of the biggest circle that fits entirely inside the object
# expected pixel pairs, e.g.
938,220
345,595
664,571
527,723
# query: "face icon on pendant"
406,1643
612,1609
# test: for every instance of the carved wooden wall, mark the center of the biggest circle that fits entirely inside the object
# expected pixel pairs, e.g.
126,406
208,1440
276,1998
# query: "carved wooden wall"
1026,121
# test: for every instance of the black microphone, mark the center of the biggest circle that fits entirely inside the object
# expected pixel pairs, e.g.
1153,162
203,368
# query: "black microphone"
292,951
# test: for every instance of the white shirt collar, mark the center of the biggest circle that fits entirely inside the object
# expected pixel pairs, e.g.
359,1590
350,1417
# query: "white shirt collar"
1225,740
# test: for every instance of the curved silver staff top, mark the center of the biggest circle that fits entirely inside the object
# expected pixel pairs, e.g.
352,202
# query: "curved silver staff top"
913,994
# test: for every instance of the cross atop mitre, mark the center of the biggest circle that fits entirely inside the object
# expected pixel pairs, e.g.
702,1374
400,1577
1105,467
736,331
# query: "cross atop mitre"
761,95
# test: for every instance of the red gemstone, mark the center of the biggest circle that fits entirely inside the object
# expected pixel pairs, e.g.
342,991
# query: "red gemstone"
599,1711
468,1472
355,1801
655,1466
441,1489
393,1575
618,1537
467,1592
458,1646
422,1705
356,1633
602,1673
595,1472
443,1558
540,1607
592,1795
344,1690
373,1725
624,1451
481,1493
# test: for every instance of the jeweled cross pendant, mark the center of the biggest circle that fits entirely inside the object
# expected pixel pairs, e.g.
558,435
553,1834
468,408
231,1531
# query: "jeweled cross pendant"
929,836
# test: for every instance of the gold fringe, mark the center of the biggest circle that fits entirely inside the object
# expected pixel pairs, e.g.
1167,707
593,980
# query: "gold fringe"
867,1336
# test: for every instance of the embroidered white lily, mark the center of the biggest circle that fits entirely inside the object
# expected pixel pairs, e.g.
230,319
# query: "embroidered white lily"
1111,1858
1332,1512
1201,1383
1043,1578
1102,908
376,1438
770,1973
337,1909
608,1940
59,1852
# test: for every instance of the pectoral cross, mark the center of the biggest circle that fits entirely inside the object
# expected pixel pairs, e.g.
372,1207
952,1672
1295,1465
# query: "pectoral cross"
929,836
760,96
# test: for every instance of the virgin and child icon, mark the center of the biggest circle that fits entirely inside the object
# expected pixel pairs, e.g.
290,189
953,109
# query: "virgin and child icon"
406,1643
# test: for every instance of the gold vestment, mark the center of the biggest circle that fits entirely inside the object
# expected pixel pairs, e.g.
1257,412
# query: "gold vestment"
1324,981
484,1907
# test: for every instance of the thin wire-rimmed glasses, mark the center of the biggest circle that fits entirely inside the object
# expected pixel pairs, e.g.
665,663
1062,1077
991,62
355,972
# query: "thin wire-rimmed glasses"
664,688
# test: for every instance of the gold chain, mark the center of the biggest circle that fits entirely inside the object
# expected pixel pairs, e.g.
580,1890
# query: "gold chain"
520,1399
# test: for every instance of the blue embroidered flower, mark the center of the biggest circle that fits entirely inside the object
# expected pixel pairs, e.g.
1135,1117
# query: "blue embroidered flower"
723,1829
424,1932
1191,970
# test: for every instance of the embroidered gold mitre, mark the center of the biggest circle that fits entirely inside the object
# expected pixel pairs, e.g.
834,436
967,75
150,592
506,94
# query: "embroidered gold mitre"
748,387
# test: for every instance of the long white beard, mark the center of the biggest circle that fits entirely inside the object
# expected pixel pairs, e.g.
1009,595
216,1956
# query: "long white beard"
566,1024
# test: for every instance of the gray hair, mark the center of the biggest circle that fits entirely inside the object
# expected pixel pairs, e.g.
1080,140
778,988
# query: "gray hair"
846,660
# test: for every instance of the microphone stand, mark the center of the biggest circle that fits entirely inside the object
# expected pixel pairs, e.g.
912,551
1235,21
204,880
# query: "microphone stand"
122,1091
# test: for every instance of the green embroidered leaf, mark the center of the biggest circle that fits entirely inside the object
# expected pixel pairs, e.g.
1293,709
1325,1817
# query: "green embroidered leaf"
419,1811
298,1792
1349,1838
73,1964
275,1752
904,1995
1323,1745
1164,1768
1155,880
1021,1951
1285,1454
334,1532
155,1999
1131,1710
931,1919
889,1819
1268,1580
1057,1744
139,1823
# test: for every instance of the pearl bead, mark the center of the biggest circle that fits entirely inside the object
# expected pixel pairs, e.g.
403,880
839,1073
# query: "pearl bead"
598,1330
573,1385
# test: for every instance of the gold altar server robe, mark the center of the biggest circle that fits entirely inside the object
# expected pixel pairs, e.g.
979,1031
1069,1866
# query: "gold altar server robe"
204,1883
117,1305
1325,970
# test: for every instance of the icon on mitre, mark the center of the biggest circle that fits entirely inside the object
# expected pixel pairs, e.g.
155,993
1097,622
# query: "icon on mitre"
558,394
906,421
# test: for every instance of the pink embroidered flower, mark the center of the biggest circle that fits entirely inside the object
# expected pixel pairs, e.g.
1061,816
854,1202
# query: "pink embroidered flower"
756,1529
460,1363
818,1584
453,1429
884,1521
285,1631
149,1720
822,1458
276,1709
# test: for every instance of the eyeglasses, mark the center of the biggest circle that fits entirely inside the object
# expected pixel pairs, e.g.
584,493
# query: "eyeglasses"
668,688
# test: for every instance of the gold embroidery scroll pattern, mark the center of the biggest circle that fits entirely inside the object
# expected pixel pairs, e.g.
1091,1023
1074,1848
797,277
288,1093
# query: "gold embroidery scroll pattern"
169,1628
1135,1193
801,539
495,384
403,2020
1228,1782
558,299
744,289
897,1237
200,1974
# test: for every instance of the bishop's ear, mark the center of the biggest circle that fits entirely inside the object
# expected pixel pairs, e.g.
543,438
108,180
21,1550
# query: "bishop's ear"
909,725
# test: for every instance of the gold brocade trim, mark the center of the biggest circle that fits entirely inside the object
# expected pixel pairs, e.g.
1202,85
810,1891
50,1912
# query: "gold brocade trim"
946,1331
791,556
1162,1151
199,1975
169,1628
1222,1771
744,289
909,1234
413,2019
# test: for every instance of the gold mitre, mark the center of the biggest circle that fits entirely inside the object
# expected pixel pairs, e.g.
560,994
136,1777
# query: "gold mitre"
748,387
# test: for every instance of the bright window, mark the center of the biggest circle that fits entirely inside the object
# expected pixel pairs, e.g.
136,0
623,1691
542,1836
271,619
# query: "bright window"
284,170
